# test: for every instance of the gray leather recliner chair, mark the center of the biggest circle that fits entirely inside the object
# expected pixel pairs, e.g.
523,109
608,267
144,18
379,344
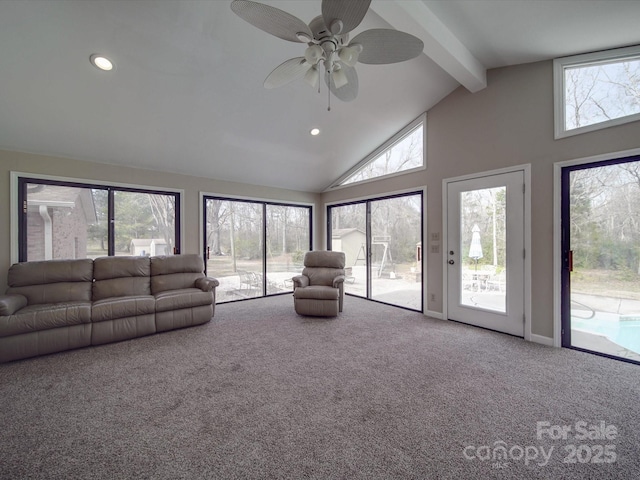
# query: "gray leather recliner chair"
319,291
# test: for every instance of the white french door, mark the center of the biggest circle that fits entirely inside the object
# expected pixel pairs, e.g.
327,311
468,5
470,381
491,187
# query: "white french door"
485,252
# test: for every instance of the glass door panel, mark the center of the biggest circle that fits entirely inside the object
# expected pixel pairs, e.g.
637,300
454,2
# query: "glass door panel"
396,234
234,232
348,235
602,295
287,241
483,248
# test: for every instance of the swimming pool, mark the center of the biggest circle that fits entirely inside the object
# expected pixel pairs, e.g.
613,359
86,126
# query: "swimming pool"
625,332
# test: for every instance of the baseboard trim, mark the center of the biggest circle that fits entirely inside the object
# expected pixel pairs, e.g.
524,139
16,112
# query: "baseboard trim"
548,341
431,313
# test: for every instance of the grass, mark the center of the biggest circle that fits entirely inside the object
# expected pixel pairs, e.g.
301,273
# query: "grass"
606,283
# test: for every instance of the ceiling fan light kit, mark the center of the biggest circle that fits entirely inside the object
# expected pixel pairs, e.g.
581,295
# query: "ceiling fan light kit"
327,39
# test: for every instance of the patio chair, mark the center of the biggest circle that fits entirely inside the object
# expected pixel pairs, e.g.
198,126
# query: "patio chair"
250,281
319,291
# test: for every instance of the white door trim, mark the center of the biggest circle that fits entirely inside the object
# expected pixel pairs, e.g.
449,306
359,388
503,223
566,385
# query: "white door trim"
526,170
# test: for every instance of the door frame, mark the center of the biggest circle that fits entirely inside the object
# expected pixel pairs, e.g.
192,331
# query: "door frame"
557,230
526,171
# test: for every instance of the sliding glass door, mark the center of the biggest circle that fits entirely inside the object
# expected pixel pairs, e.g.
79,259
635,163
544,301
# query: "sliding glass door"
254,248
382,242
601,258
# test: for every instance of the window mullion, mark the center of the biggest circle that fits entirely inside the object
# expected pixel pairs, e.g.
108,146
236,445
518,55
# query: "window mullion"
111,233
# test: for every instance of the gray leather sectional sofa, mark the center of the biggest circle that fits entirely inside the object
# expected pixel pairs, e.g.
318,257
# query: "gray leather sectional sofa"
58,305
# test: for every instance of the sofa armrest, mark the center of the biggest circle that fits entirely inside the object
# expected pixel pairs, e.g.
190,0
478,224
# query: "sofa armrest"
11,303
300,281
338,280
207,284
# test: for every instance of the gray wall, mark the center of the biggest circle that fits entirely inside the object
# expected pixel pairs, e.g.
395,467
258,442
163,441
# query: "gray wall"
508,123
192,186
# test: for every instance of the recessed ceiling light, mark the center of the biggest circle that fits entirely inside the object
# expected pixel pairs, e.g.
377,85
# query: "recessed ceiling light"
315,131
101,62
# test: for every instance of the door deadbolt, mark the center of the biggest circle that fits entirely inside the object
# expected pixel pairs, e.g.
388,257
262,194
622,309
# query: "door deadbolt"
451,262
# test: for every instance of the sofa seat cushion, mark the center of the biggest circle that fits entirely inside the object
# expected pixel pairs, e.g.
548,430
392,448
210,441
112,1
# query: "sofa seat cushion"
33,318
317,292
121,307
183,298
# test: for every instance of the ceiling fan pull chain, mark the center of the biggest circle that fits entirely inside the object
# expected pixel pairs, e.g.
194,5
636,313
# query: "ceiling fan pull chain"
329,91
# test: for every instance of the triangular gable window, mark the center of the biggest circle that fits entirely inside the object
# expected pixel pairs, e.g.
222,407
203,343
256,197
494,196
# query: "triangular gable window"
404,152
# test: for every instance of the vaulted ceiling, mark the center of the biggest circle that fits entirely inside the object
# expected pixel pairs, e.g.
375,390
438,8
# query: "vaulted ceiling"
187,93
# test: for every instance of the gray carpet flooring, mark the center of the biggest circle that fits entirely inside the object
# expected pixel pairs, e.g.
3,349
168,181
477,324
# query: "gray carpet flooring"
378,393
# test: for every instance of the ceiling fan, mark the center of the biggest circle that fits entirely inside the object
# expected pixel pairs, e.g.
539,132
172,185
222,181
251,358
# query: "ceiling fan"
328,45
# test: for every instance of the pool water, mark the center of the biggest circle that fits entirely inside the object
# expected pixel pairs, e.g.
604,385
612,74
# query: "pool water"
625,333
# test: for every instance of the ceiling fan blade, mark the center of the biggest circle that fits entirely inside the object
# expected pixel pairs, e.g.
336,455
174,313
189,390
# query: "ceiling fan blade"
380,46
272,20
349,12
287,72
348,92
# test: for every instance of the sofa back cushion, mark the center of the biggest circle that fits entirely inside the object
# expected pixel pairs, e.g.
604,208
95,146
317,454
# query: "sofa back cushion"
175,272
52,281
121,277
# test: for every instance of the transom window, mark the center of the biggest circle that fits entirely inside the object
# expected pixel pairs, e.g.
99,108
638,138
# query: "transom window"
596,90
67,219
403,153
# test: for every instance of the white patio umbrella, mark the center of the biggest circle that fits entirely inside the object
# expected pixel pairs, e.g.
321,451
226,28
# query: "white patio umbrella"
475,249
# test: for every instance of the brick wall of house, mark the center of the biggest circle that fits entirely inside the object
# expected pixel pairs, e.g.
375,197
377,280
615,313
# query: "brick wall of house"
69,231
35,236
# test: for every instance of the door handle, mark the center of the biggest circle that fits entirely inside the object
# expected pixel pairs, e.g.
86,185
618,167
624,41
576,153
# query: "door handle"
451,262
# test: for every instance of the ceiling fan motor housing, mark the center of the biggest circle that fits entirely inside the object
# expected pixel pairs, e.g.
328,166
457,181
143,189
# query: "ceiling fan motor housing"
323,36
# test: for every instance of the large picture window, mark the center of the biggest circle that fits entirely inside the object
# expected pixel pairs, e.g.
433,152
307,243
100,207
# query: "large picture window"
596,90
254,248
65,220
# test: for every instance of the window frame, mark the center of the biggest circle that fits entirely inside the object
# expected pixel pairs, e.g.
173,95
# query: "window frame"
390,143
617,55
19,180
